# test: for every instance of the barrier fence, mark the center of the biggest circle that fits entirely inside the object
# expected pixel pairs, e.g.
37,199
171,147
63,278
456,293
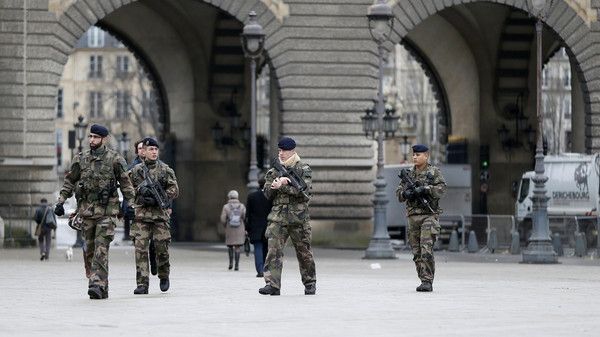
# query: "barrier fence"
577,232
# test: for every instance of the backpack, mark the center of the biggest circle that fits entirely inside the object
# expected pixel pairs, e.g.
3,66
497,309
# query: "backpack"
234,218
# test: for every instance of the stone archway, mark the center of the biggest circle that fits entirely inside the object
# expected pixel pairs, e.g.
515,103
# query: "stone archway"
564,20
174,39
416,20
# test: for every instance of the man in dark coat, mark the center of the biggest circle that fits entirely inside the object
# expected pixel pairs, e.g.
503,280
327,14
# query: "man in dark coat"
42,215
257,210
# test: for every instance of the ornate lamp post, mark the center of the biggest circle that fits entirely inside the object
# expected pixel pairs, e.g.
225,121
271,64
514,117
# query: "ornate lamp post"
80,129
253,41
539,248
381,21
124,144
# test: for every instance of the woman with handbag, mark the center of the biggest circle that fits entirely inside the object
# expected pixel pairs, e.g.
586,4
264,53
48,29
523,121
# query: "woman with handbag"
46,222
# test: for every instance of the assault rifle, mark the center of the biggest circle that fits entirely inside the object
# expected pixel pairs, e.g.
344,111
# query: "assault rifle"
405,177
295,180
156,190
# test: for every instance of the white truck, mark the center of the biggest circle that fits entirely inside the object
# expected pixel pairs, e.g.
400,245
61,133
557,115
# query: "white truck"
573,187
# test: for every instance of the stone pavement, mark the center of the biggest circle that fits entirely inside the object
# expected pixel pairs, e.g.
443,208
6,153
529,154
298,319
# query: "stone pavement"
475,295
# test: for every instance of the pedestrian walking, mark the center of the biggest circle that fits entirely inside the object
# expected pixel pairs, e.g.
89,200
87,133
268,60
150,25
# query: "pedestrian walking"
155,186
232,218
421,187
258,208
289,217
94,177
46,222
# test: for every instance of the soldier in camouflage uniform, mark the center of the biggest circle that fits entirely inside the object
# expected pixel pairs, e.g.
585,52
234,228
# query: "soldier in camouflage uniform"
150,219
94,177
423,225
289,217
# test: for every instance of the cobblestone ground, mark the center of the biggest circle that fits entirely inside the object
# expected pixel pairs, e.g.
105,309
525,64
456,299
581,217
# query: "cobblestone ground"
475,295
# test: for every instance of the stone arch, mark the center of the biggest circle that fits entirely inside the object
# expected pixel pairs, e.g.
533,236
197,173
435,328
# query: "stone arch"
150,69
72,23
436,82
563,20
81,15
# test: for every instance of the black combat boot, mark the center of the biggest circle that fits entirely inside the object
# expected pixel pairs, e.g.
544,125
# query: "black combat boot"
425,287
310,289
237,261
230,252
269,290
95,293
164,284
141,289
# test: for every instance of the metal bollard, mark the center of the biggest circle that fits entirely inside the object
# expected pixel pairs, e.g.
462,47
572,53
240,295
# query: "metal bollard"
453,245
472,246
515,243
557,244
492,240
580,244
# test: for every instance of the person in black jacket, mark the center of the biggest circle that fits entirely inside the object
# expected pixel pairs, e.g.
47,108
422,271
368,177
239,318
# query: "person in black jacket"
42,215
257,210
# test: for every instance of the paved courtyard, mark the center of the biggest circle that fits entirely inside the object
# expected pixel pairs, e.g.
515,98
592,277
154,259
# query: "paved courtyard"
475,295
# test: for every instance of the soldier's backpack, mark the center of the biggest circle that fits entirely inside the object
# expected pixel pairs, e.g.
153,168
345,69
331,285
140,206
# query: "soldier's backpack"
234,218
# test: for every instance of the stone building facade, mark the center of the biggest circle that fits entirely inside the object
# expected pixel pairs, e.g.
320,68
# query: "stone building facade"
324,71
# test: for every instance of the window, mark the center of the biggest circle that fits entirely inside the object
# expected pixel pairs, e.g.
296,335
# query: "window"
95,104
122,103
566,72
545,78
411,119
122,65
95,66
95,37
524,191
566,107
544,103
59,145
59,104
147,103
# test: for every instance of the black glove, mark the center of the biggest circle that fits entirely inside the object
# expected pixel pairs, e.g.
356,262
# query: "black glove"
408,194
422,191
59,209
149,201
144,191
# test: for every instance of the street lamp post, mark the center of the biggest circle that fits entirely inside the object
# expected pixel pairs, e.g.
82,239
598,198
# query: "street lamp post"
539,248
124,142
253,40
80,129
405,147
380,26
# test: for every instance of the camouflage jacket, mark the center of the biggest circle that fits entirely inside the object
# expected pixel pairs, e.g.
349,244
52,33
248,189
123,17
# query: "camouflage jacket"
165,176
94,177
290,206
430,176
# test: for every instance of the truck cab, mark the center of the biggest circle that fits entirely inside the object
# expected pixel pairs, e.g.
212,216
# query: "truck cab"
573,189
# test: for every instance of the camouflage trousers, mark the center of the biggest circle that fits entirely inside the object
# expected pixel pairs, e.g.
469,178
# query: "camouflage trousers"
161,236
98,234
422,231
277,234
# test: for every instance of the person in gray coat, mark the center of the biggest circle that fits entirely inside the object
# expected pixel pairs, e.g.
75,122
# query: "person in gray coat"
232,217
